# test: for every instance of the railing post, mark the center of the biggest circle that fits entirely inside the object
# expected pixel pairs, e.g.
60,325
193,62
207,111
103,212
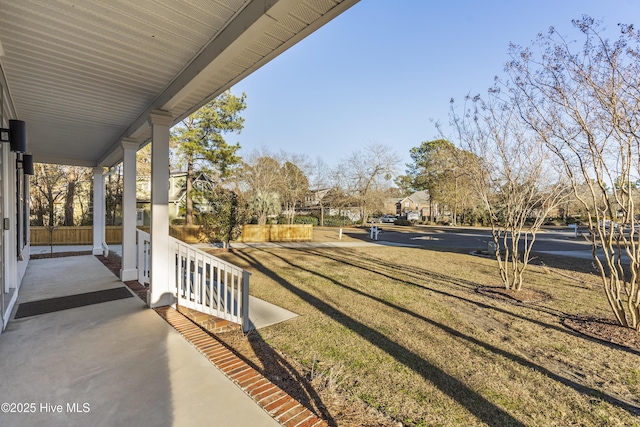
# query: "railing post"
246,324
143,247
174,268
140,256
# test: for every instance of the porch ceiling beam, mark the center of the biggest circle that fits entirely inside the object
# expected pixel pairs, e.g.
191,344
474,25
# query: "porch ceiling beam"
38,158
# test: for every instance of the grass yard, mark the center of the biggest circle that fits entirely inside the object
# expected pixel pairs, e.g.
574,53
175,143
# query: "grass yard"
406,331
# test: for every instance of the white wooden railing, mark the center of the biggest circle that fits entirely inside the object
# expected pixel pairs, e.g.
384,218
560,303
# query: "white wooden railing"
143,264
202,282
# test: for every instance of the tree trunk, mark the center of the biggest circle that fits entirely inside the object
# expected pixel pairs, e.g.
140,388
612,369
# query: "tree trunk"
292,212
51,211
39,211
430,210
69,201
262,218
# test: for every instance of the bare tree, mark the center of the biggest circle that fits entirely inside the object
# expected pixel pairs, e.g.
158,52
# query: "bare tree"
295,184
275,182
365,173
262,181
319,184
513,177
75,176
48,181
143,160
584,102
113,196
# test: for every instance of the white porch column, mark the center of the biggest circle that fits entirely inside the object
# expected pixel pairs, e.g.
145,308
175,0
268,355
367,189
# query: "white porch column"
98,210
160,288
128,269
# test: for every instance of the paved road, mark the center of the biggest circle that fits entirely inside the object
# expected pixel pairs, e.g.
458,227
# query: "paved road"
553,240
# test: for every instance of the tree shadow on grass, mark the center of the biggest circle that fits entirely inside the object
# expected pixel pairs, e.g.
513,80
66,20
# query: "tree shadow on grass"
475,403
398,351
421,274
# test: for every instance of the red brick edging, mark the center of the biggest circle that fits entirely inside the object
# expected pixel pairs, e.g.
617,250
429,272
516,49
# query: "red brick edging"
282,407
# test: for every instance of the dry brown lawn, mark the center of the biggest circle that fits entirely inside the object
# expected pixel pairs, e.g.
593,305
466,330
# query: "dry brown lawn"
406,331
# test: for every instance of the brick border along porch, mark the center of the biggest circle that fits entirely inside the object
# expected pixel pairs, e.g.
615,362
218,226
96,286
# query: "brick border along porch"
282,407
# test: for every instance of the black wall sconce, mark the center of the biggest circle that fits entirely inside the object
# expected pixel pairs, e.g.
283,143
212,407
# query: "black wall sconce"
27,164
16,135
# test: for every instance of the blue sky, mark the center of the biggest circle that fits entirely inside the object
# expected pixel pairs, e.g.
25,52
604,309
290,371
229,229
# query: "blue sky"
384,69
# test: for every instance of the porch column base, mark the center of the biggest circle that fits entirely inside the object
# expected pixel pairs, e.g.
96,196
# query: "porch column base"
98,250
162,301
130,274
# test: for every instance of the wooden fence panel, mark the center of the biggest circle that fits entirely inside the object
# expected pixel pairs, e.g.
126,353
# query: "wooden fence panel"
276,233
188,234
78,235
83,235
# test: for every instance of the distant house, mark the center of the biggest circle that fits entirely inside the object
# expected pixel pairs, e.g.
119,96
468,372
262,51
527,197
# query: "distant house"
177,195
332,202
314,197
416,202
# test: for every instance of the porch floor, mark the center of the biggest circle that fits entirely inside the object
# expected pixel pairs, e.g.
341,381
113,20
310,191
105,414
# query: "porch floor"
112,363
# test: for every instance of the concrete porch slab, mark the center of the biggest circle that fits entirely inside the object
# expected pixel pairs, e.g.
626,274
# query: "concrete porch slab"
114,363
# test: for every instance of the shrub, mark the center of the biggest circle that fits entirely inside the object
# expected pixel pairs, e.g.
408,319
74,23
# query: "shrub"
306,219
401,221
336,221
554,221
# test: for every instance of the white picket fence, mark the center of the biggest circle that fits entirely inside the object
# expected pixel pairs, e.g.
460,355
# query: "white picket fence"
202,282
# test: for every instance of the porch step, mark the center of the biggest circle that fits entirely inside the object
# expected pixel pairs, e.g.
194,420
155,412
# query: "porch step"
213,324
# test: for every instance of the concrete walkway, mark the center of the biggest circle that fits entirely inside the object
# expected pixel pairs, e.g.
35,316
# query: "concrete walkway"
37,250
110,364
263,314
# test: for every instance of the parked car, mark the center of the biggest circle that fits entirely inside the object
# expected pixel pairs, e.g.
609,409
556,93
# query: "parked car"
388,219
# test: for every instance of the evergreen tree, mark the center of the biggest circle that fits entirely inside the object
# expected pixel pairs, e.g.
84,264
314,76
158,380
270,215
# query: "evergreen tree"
199,143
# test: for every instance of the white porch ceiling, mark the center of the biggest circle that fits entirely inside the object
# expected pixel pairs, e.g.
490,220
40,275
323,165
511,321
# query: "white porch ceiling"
84,74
